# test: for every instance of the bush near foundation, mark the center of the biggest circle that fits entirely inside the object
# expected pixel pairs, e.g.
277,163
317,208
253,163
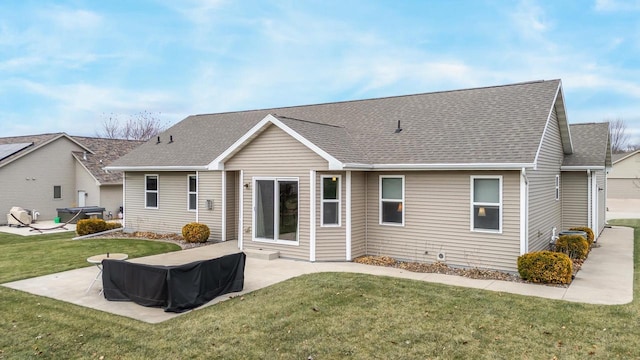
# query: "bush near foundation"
575,246
90,226
195,232
547,267
590,235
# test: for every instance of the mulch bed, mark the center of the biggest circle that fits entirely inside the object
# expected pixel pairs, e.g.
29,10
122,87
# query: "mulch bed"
442,268
172,238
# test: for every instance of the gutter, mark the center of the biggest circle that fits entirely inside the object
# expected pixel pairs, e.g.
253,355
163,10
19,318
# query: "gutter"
156,168
466,166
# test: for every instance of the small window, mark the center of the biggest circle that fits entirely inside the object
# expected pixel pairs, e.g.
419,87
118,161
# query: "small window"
192,192
486,204
330,215
151,191
57,192
392,200
557,187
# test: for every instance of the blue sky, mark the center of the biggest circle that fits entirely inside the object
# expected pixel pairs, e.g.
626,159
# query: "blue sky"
67,65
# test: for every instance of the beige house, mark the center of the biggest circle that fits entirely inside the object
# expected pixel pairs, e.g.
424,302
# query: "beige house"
623,195
473,177
49,171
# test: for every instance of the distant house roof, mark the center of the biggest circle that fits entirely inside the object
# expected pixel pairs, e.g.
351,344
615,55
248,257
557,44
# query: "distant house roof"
499,126
104,152
591,145
97,153
624,155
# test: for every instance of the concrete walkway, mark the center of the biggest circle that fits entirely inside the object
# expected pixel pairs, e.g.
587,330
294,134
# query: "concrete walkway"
605,278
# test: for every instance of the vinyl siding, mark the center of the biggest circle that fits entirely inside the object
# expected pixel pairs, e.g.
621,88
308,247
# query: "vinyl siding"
275,154
628,168
331,240
232,205
358,214
438,219
545,212
210,188
172,213
28,181
86,182
575,204
602,201
623,188
111,199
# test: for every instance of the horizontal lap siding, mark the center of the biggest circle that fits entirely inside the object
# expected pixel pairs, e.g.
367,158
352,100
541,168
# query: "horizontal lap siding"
438,219
210,188
275,154
172,213
575,206
623,188
545,212
358,214
331,241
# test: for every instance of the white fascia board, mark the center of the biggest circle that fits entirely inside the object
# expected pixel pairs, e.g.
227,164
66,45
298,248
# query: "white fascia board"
218,163
562,124
156,168
581,168
87,170
471,166
626,157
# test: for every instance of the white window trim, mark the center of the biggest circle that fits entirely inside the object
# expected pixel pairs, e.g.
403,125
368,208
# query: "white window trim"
557,188
276,214
338,200
381,200
157,191
500,204
189,192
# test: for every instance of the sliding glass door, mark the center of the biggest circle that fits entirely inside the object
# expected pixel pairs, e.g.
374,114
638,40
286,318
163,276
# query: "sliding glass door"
276,209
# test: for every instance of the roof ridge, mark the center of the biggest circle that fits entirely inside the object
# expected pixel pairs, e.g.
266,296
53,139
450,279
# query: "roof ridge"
378,98
307,121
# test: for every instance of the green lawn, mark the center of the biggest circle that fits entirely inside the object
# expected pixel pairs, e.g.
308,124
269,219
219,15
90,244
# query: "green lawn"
29,256
333,316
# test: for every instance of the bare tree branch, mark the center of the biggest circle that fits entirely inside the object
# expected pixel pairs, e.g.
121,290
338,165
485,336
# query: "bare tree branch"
140,126
619,136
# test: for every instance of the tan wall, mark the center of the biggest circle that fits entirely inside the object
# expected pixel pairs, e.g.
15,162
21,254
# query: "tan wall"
111,199
575,201
275,154
545,212
172,213
602,201
623,188
87,183
438,218
358,214
331,240
210,188
628,168
50,165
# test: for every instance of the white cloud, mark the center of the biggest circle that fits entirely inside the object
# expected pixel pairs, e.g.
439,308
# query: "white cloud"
617,5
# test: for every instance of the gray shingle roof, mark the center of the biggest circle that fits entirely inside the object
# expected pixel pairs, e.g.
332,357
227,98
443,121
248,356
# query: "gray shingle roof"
105,151
500,125
591,145
619,156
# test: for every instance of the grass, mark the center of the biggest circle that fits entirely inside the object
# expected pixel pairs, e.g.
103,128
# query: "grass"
333,316
29,256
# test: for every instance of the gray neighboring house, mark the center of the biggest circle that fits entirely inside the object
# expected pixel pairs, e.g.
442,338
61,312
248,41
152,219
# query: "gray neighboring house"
473,177
49,171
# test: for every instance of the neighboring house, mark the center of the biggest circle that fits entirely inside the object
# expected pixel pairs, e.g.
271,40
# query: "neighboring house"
470,177
624,176
49,171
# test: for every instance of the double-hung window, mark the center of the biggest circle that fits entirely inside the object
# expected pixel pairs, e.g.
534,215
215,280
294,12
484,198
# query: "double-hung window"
392,200
330,215
486,203
151,191
557,187
192,192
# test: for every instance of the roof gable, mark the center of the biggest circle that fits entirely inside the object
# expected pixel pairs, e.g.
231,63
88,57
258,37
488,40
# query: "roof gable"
38,141
492,127
104,152
592,147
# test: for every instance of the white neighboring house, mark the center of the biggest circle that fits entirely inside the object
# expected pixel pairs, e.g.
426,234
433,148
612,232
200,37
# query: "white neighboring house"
623,194
48,171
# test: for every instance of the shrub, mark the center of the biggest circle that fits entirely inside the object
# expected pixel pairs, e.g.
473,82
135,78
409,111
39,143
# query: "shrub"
545,267
90,226
576,246
113,225
195,232
590,235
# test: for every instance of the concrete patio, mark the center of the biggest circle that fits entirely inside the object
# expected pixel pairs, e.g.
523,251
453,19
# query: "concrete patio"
605,278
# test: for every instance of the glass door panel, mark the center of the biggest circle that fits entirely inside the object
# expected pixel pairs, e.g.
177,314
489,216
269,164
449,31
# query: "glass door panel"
288,210
264,209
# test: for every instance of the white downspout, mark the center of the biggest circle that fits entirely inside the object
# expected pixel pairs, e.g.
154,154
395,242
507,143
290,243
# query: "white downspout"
589,198
223,207
348,215
524,212
124,192
312,215
241,210
197,195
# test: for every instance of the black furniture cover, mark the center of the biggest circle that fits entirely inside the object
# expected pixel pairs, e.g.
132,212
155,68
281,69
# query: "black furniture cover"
175,288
